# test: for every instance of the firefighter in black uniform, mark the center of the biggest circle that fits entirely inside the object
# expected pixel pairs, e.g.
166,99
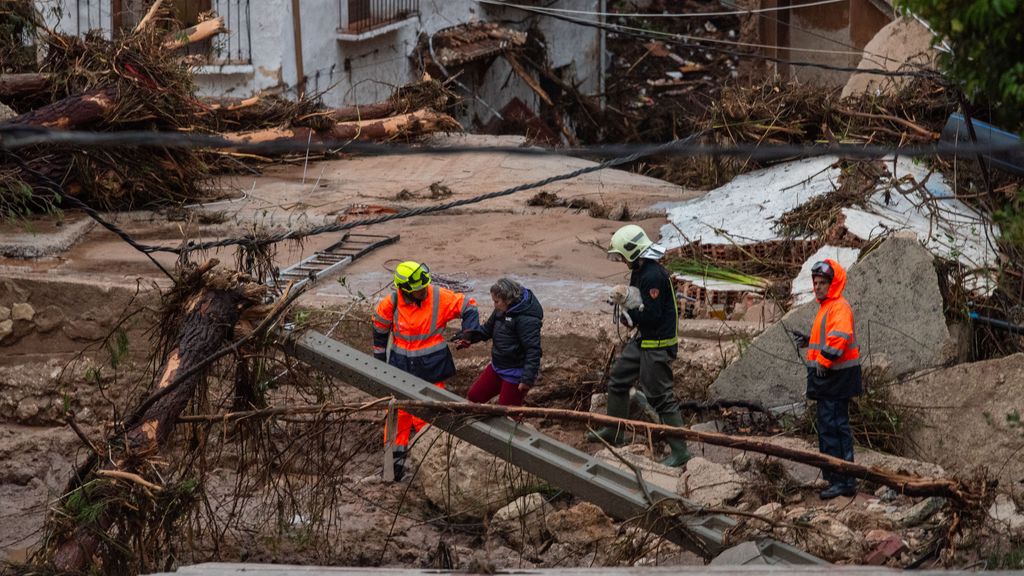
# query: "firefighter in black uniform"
649,304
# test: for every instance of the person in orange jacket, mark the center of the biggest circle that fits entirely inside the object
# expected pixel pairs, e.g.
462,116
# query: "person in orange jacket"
413,317
833,370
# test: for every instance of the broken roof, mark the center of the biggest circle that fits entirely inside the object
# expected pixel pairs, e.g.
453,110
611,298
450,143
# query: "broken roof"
465,43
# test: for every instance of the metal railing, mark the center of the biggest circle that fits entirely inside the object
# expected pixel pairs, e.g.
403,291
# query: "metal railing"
235,47
111,16
364,15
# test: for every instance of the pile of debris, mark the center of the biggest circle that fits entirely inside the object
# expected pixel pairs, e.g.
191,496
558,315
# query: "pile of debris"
142,81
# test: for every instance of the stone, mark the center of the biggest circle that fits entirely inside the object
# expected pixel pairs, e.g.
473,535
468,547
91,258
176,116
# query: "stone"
886,493
1004,510
823,535
919,512
894,291
584,523
85,330
27,410
6,328
523,521
5,313
902,41
652,472
49,319
6,113
708,483
463,480
22,311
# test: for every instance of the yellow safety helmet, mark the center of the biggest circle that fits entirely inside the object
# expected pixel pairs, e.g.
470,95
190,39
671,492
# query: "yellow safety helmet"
411,276
629,242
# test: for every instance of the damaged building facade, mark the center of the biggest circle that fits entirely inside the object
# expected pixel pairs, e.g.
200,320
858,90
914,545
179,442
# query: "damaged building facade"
356,51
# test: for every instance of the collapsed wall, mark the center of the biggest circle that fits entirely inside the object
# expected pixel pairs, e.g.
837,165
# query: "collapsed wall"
898,309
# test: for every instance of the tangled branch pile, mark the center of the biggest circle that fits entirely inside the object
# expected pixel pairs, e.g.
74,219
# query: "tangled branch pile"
141,81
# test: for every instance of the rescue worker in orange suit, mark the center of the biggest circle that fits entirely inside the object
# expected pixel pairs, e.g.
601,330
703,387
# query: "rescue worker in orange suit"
414,317
833,370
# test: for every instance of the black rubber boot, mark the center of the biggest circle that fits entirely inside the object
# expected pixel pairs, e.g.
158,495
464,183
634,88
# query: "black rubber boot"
680,454
398,461
618,407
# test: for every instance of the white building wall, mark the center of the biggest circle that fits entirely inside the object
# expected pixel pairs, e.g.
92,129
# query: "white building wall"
366,71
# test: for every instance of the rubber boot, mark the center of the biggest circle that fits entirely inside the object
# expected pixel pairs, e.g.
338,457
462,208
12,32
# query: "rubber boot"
680,454
398,459
618,407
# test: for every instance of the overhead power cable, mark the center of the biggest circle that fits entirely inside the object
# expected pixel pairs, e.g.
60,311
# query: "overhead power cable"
14,138
737,12
679,40
328,228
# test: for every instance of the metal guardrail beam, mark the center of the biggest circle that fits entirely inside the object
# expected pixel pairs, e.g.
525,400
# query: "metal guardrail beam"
617,492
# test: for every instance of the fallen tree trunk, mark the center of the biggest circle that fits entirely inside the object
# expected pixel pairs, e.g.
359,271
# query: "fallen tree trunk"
403,126
908,484
209,320
78,111
15,85
198,33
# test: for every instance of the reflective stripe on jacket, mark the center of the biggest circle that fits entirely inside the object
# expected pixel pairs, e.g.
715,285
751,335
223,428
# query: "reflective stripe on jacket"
658,321
417,330
833,345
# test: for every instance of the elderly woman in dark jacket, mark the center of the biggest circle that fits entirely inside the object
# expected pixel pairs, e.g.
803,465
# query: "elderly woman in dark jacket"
514,328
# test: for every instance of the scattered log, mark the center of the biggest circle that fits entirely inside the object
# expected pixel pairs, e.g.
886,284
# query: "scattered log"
197,33
368,112
78,111
908,484
209,321
13,85
409,125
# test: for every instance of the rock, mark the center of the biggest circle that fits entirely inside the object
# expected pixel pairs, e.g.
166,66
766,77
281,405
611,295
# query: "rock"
652,472
6,113
85,329
894,291
708,483
463,480
5,313
886,494
584,523
523,521
22,311
6,327
1004,510
741,462
919,512
823,535
769,510
902,41
27,410
49,319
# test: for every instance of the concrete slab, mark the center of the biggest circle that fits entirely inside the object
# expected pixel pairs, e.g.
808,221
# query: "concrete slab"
897,307
37,238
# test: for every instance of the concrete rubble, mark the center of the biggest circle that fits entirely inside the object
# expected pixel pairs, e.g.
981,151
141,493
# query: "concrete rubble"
895,296
463,480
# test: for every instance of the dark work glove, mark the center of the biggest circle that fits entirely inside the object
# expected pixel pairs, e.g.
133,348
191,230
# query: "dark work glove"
462,340
802,340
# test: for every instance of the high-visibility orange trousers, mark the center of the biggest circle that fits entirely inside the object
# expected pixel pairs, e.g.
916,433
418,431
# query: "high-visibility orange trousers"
407,425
